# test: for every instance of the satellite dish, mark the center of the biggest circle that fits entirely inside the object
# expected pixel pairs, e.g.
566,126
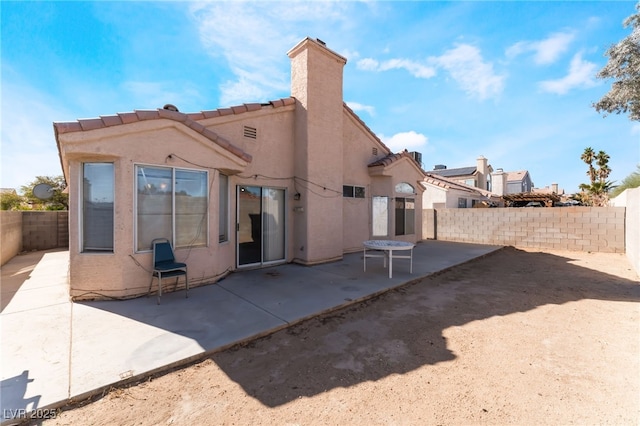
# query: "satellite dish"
43,191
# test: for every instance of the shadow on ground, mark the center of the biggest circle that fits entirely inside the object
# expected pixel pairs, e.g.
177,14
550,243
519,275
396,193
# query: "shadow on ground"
402,330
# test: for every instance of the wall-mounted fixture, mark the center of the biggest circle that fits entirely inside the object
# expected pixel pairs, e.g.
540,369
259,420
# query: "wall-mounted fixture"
296,196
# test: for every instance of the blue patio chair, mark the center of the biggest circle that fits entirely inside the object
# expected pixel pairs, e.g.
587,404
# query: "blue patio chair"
165,265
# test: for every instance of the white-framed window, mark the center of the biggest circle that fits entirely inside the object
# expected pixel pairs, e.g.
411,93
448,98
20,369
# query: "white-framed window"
380,222
405,216
171,203
223,214
405,188
353,191
97,207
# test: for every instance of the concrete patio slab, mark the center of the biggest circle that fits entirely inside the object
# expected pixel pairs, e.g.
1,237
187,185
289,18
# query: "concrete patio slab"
54,351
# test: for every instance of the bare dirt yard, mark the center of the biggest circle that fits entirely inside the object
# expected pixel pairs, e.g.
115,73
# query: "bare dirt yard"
517,337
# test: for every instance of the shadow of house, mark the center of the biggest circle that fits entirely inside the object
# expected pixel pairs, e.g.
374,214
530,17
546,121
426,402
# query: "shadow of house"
396,332
403,330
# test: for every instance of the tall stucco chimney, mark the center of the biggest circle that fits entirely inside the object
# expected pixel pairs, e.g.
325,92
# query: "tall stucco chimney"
554,188
499,182
483,171
316,84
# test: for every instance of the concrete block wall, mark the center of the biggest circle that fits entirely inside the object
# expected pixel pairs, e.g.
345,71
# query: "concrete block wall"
11,231
42,230
630,199
598,229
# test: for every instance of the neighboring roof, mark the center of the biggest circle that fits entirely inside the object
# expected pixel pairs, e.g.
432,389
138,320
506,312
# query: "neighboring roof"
461,171
447,183
392,158
7,191
188,119
546,190
516,176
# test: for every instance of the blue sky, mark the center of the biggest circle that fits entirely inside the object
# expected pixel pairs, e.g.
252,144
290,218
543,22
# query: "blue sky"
513,81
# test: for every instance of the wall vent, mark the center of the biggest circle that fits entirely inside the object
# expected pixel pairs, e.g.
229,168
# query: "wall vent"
250,132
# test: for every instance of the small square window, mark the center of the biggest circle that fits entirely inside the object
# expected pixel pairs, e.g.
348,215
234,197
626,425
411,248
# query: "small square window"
347,191
358,191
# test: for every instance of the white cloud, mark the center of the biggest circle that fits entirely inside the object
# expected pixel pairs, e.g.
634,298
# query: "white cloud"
251,37
546,51
635,129
360,107
414,68
405,140
464,63
474,75
581,75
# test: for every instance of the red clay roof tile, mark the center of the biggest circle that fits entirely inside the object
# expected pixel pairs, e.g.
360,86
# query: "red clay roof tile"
253,107
111,120
195,115
128,117
73,126
91,123
172,115
211,114
147,114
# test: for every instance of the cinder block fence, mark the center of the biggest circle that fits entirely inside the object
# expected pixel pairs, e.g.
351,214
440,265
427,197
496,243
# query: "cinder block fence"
598,229
32,230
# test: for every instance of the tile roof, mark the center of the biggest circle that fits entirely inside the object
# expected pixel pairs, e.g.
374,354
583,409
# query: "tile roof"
392,158
519,175
461,171
364,125
188,119
443,182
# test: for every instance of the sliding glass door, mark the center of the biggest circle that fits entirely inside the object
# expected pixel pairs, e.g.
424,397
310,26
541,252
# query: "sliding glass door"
260,225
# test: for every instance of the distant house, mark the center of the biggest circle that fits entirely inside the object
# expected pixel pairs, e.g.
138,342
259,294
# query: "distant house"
478,176
441,192
300,179
553,189
504,183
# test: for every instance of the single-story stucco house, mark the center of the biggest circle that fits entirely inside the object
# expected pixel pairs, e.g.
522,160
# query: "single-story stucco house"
300,179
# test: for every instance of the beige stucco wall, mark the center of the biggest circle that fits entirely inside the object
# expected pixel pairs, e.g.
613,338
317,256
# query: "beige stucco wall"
384,184
599,229
358,154
126,272
316,83
310,148
630,199
11,232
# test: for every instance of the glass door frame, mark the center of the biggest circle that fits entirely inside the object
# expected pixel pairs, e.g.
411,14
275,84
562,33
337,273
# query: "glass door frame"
262,262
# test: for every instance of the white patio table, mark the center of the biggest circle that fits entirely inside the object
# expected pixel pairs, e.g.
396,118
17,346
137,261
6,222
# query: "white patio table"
388,247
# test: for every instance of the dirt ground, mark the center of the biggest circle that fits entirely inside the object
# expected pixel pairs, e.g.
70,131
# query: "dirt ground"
517,337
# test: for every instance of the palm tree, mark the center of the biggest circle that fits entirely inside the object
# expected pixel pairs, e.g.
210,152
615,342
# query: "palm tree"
631,181
602,160
588,156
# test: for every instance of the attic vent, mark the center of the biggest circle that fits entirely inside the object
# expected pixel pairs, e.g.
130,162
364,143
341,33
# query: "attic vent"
170,107
250,132
374,151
